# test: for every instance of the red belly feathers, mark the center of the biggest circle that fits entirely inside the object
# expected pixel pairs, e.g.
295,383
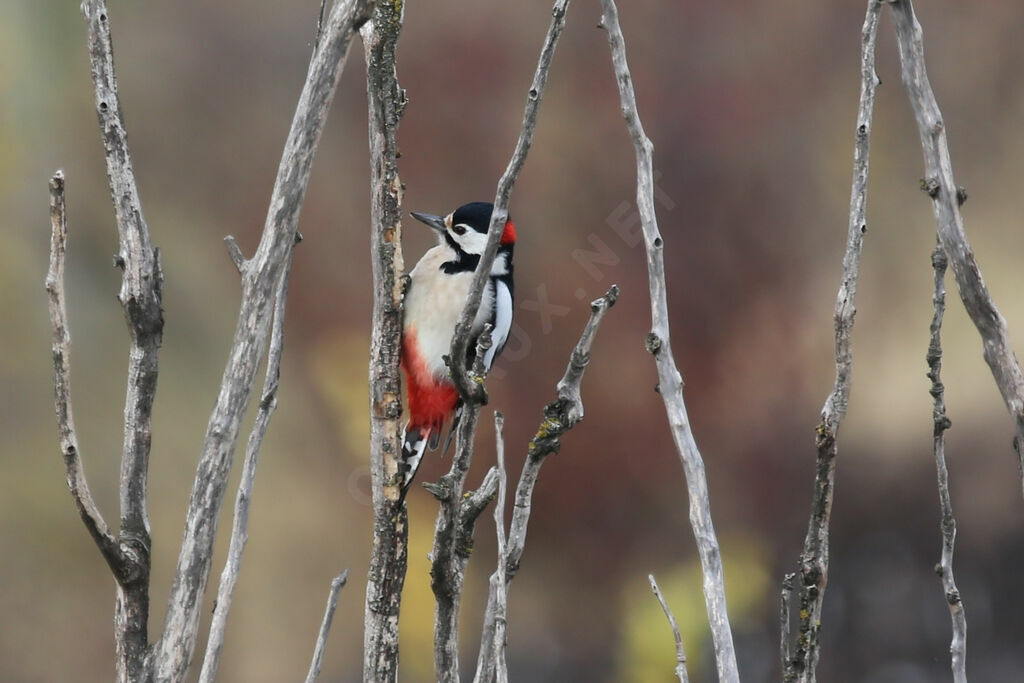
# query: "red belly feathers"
431,400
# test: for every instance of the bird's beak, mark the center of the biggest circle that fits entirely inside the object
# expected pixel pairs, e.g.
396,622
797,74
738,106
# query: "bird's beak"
435,222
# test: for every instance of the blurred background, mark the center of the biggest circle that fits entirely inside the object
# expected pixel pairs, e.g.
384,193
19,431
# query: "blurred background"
751,107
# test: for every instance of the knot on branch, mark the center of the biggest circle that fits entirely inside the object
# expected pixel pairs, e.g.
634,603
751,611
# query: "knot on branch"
441,490
961,196
930,186
939,259
652,343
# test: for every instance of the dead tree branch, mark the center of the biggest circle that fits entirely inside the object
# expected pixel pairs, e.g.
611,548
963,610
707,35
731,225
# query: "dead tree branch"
77,484
560,416
260,278
325,626
470,391
389,559
958,646
240,526
813,574
670,382
946,200
680,652
500,583
453,530
140,297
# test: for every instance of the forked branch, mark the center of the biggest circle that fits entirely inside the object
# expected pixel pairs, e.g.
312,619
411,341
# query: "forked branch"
670,382
260,278
946,199
560,416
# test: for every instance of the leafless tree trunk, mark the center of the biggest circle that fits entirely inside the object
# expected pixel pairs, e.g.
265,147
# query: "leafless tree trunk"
389,558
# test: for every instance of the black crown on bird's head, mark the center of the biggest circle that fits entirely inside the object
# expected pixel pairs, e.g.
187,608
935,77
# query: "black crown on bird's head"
465,228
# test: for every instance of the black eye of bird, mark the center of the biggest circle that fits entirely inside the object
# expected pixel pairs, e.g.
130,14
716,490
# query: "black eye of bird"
459,229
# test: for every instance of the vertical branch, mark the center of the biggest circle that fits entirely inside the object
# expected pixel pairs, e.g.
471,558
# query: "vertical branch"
453,530
325,626
680,652
240,525
561,415
473,392
958,646
140,297
388,562
260,277
946,200
813,574
670,382
500,583
785,620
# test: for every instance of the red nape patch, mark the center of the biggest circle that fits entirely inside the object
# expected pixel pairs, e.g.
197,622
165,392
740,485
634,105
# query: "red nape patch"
431,401
508,235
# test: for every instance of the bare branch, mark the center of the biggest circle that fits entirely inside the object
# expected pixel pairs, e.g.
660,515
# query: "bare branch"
260,277
560,416
670,381
453,530
235,252
785,619
77,483
946,200
325,627
140,296
680,652
958,646
815,555
240,526
473,392
500,581
388,562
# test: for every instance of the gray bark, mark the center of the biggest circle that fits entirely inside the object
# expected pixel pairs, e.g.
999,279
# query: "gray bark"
958,645
389,558
473,392
260,276
941,187
670,382
140,297
813,574
561,415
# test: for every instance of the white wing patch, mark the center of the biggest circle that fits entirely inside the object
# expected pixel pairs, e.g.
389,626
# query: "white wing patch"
502,321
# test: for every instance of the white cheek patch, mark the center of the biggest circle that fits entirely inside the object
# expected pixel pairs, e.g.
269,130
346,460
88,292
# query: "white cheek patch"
471,241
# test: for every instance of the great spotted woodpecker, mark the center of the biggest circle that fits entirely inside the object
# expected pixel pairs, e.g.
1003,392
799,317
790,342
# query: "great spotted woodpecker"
437,293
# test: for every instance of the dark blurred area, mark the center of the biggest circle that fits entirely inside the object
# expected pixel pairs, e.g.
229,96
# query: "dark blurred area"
751,107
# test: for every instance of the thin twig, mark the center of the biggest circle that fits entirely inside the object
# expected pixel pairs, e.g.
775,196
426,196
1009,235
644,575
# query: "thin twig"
560,416
501,587
77,484
813,574
141,299
946,199
240,525
958,645
325,626
670,381
680,652
785,621
473,392
389,558
260,278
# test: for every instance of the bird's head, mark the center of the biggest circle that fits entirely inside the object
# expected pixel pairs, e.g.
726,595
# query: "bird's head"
465,228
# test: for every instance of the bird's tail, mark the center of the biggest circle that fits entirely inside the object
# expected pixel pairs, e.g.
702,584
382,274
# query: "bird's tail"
413,446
